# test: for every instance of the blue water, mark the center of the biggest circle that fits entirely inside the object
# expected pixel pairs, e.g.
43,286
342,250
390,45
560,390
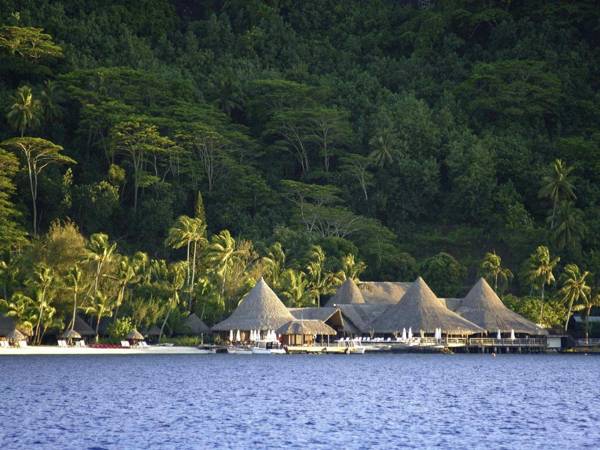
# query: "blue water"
239,401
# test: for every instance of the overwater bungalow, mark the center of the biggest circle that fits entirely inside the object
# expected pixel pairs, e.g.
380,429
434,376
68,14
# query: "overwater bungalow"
260,309
484,308
422,312
304,332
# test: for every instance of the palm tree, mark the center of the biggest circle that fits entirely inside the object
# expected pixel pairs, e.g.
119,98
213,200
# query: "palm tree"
319,280
100,253
191,232
125,276
43,282
221,254
25,111
586,304
295,288
575,288
557,186
75,283
274,265
351,268
383,149
21,308
101,306
540,271
176,283
569,225
491,268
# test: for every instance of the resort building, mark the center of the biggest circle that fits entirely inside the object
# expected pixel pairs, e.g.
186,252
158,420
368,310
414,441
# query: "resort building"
260,310
420,311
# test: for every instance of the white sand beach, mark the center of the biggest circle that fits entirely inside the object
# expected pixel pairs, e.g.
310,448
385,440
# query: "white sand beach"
55,350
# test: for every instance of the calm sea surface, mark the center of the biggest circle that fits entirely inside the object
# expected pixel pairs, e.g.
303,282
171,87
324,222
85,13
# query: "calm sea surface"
239,401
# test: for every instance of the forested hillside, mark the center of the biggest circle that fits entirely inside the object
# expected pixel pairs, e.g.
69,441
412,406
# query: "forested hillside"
303,140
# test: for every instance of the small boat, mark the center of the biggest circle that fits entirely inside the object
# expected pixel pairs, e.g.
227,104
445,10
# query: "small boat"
205,349
350,346
239,350
267,348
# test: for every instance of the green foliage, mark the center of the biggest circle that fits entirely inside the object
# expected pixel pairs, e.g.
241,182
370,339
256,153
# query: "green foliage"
120,328
444,274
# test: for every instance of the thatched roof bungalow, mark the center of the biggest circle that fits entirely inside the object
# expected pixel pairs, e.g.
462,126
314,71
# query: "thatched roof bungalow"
347,294
195,326
483,307
82,327
330,315
421,310
135,336
260,309
362,316
303,332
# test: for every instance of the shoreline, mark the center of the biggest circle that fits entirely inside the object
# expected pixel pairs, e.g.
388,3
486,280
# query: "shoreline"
54,350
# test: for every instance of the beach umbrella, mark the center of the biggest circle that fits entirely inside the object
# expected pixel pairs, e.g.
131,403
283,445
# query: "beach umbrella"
498,335
71,334
253,335
512,334
403,334
410,335
238,338
230,335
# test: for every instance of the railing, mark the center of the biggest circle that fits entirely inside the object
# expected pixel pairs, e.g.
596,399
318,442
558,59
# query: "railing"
507,342
588,342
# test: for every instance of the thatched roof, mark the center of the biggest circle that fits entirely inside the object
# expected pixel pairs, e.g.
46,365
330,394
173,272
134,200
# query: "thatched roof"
195,325
420,309
7,325
153,331
71,334
135,335
347,294
383,292
305,327
313,313
483,307
260,309
82,327
15,335
361,316
451,303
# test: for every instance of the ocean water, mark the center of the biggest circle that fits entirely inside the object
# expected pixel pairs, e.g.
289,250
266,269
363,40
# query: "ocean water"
308,402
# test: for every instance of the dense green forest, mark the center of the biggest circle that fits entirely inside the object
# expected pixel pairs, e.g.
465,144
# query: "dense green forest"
158,156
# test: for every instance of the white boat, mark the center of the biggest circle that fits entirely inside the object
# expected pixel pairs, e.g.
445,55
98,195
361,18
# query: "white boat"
239,350
267,348
347,346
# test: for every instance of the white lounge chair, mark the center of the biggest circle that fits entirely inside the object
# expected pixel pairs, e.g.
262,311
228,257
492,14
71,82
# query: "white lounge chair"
125,344
80,344
61,343
4,344
22,343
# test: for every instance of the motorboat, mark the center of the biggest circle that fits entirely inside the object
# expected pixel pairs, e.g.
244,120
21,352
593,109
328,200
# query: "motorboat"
239,350
268,348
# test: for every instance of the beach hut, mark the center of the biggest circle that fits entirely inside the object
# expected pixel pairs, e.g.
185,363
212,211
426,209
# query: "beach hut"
194,326
135,337
70,336
81,326
153,334
260,309
420,310
484,308
332,316
303,332
347,294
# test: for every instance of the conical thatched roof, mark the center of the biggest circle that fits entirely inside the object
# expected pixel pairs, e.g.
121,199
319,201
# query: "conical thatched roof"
306,327
420,309
82,327
153,331
383,292
483,307
15,335
7,325
71,334
135,335
195,325
361,316
347,294
260,309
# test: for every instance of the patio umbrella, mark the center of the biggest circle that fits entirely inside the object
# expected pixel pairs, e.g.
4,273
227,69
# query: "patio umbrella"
403,334
498,335
410,335
238,338
512,334
230,335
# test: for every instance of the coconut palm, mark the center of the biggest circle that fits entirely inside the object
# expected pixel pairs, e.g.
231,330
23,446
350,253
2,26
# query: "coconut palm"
586,303
101,305
351,268
575,288
320,281
43,283
100,253
221,254
191,232
75,282
176,282
569,225
540,271
491,269
126,275
295,288
274,265
557,186
21,308
383,149
25,111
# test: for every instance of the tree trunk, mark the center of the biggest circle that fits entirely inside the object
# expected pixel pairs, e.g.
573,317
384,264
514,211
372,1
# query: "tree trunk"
162,327
569,314
74,310
100,313
193,276
542,308
587,325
